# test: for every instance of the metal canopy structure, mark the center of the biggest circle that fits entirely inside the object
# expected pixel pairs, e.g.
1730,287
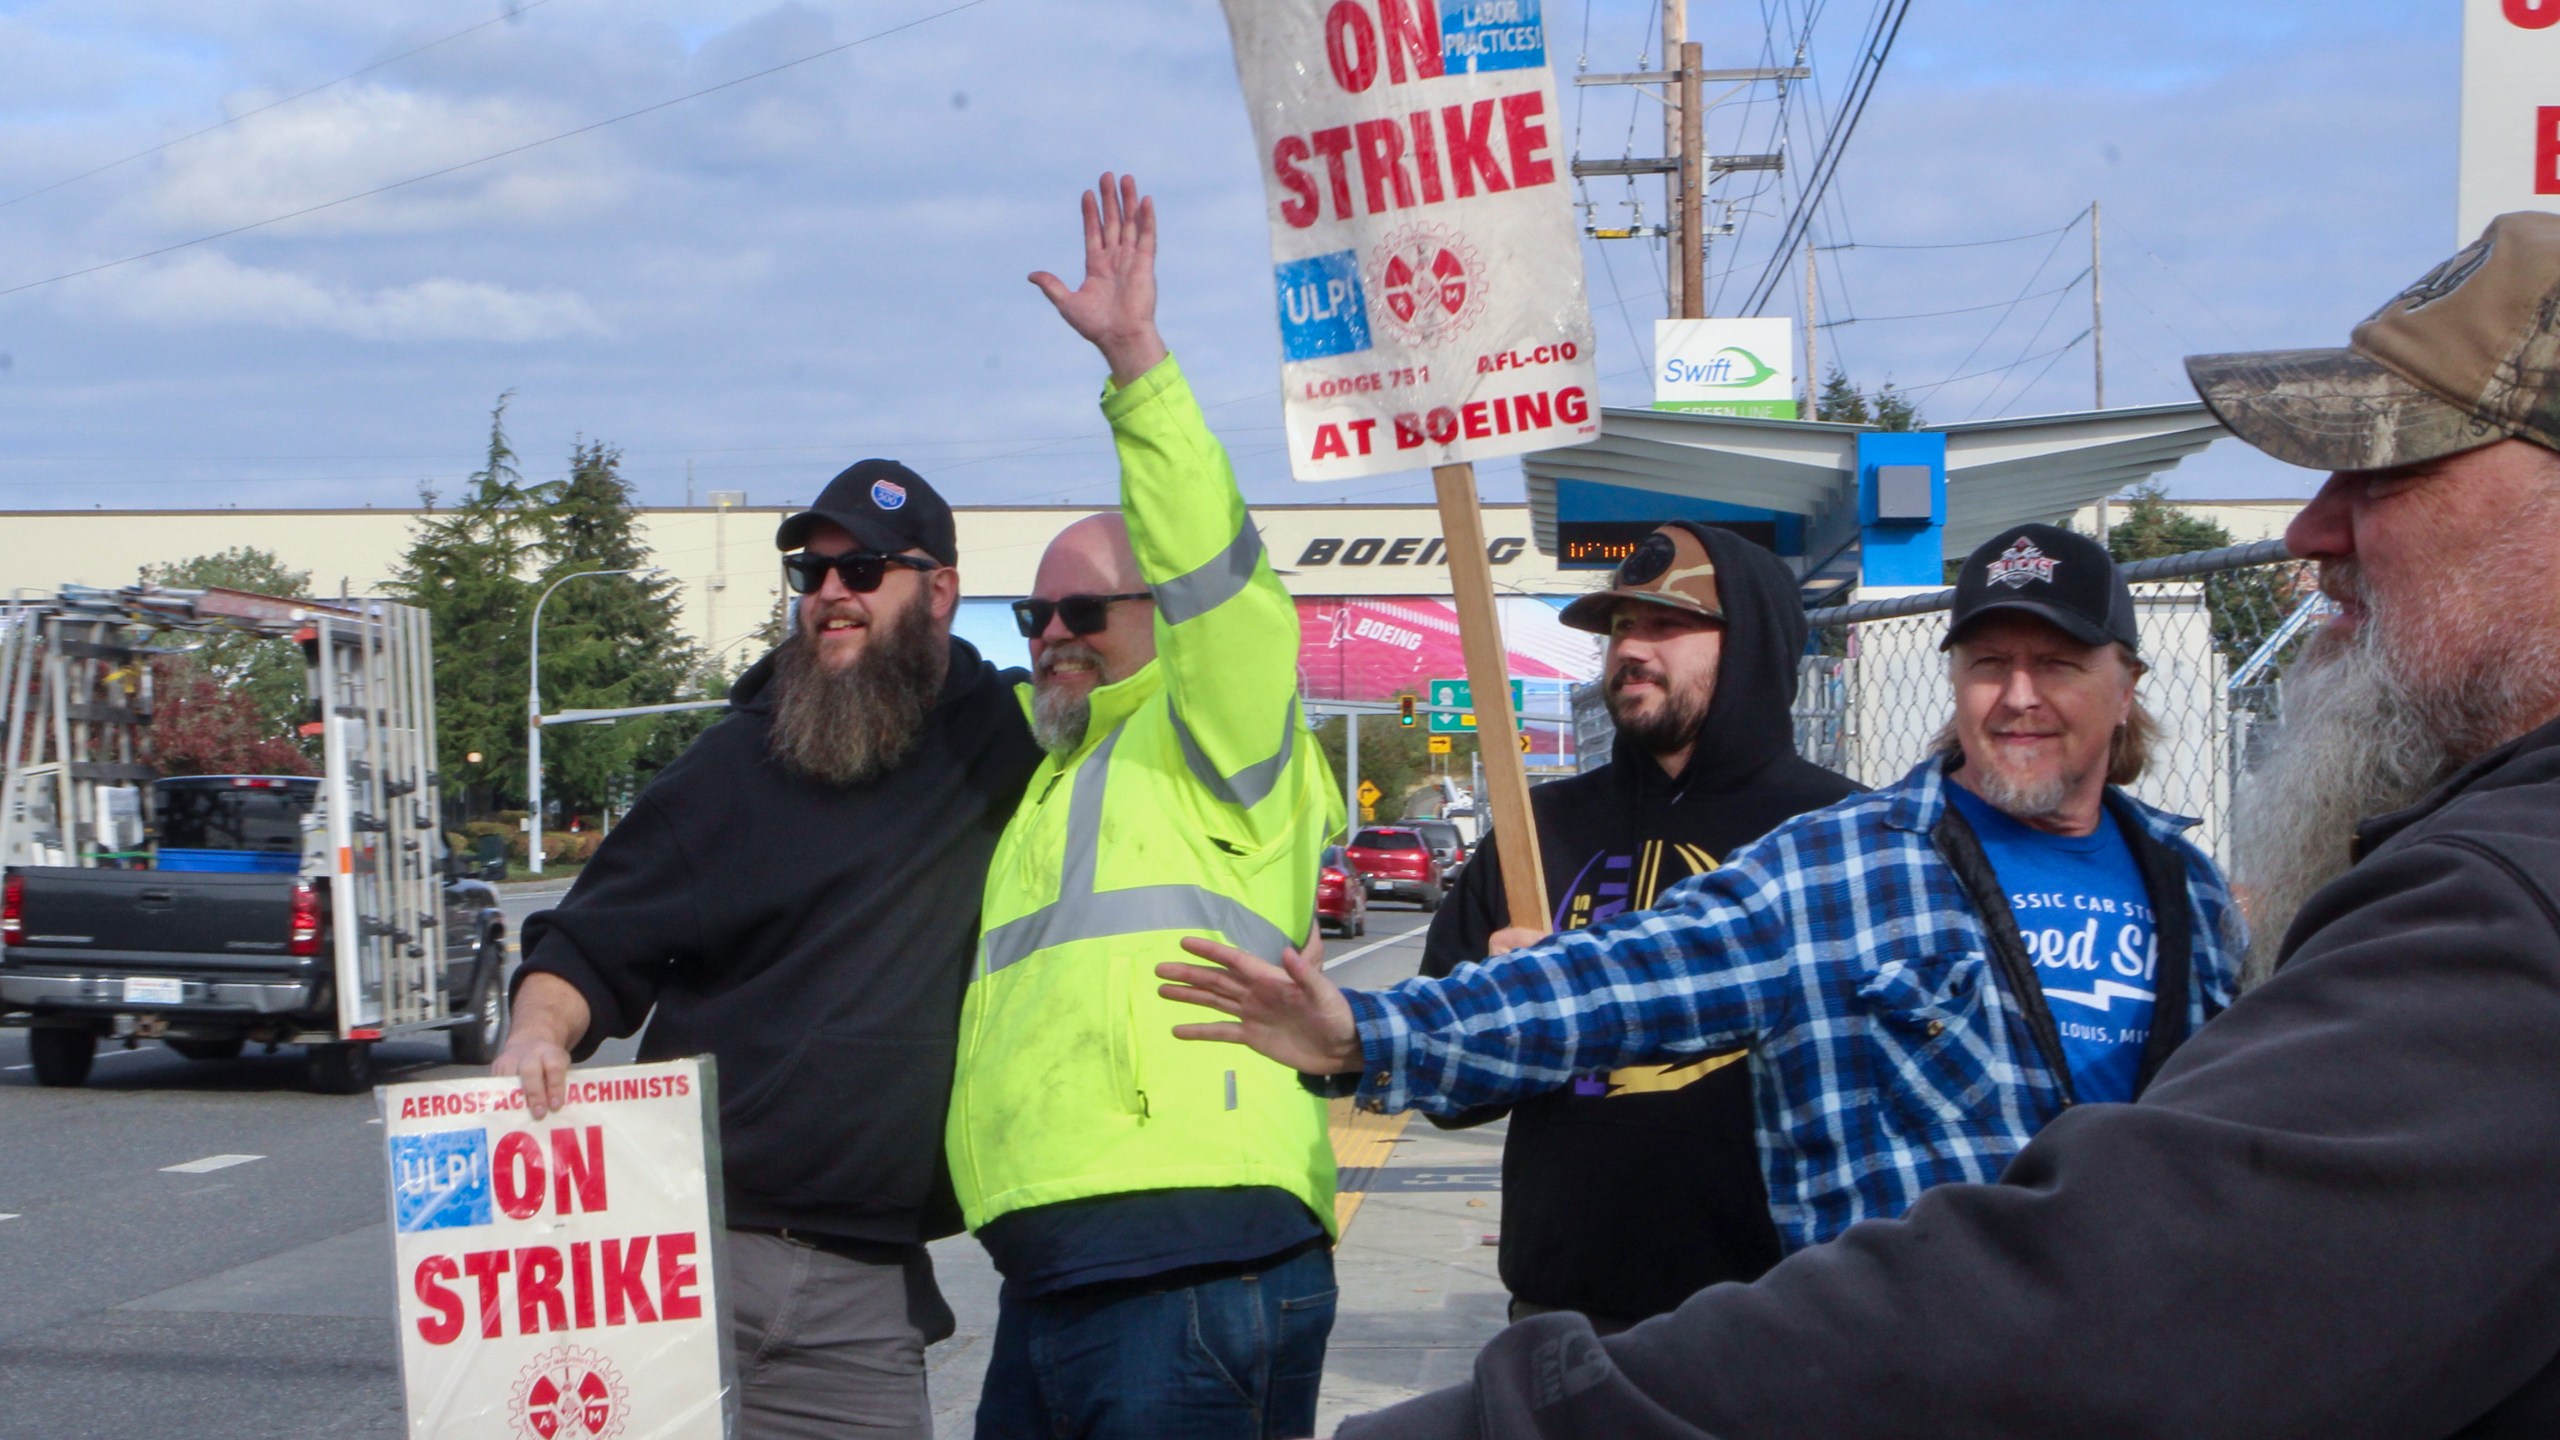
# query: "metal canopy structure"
1999,472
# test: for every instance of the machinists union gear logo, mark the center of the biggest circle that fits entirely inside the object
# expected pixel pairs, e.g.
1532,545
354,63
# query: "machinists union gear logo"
569,1393
2021,565
1429,282
888,494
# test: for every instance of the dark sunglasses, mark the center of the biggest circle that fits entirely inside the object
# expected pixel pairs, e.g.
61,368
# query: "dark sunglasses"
1083,614
861,570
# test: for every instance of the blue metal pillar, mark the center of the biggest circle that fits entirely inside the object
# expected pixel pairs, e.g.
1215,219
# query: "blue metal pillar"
1902,509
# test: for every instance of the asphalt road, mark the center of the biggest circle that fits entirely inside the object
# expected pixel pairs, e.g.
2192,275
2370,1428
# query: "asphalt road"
200,1248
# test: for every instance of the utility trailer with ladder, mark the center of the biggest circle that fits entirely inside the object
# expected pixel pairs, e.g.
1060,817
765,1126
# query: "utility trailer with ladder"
337,922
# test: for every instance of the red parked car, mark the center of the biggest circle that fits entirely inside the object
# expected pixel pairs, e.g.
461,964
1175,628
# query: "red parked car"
1399,864
1342,901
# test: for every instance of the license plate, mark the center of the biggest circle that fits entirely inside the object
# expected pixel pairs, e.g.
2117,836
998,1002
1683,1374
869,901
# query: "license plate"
1379,887
141,991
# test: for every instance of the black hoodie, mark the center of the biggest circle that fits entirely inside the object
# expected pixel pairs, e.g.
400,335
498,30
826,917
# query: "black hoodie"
1626,1194
816,939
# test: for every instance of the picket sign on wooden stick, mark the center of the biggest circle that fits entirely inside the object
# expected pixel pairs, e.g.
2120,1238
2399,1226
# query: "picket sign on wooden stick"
1506,773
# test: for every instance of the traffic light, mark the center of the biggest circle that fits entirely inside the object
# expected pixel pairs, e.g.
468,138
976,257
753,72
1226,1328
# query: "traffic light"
1404,711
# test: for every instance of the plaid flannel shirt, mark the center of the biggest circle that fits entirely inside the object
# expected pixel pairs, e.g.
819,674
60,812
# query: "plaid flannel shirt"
1887,1056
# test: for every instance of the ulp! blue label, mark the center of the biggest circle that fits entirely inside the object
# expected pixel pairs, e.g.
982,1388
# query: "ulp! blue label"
1481,35
440,1181
1321,311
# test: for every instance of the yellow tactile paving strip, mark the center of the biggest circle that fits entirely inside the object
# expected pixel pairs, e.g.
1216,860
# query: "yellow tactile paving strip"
1362,1142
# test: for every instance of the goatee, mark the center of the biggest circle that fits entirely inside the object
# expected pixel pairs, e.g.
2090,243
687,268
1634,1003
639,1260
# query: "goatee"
848,725
1061,714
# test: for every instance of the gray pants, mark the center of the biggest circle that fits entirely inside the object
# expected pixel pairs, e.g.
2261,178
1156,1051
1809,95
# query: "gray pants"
831,1347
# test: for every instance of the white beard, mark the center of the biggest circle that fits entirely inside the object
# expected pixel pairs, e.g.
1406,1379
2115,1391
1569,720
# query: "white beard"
2361,738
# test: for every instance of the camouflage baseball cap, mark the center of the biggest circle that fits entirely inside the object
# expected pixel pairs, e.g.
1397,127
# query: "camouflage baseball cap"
2464,358
1670,567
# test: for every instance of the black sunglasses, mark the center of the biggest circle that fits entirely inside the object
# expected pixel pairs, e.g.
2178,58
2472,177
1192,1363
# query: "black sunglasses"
1084,614
861,570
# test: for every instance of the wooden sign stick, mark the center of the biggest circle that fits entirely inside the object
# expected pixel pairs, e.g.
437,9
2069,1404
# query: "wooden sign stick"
1506,775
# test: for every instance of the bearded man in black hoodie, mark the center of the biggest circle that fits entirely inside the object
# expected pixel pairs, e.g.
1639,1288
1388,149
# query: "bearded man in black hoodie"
1632,1189
797,895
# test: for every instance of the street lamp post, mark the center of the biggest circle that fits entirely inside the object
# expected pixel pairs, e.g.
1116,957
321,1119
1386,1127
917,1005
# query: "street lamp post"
533,714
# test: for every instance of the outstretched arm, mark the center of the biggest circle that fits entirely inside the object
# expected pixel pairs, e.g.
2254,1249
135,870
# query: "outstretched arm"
1115,307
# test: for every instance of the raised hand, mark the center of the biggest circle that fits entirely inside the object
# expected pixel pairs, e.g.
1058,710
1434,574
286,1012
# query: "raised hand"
1115,307
1289,1012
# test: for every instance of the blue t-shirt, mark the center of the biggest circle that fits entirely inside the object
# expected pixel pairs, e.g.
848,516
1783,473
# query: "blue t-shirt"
1048,1249
2085,916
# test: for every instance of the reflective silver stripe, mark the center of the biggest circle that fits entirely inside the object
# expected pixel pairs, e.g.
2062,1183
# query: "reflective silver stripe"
1103,914
1084,819
1249,786
1083,913
1186,597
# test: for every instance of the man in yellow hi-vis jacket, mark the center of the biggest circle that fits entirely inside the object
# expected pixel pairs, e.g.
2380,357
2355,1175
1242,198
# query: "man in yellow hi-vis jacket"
1162,1213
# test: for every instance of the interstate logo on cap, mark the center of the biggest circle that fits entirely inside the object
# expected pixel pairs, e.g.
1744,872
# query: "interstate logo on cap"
888,494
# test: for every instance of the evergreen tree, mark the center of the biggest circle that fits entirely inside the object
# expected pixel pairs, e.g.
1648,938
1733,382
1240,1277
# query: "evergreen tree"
264,676
1843,403
468,568
2246,606
609,641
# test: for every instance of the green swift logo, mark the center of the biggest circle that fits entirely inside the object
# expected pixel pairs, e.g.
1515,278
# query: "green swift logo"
1731,368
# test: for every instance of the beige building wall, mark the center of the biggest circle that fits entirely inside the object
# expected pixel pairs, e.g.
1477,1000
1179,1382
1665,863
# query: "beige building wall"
722,559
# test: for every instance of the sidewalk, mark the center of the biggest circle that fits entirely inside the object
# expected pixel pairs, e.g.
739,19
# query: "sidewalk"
1419,1293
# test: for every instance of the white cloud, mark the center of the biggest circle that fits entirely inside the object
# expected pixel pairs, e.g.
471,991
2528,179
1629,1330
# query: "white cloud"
212,290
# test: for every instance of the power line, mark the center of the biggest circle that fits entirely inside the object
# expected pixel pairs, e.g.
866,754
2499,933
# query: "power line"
1967,310
513,12
1951,244
1853,108
512,150
2003,370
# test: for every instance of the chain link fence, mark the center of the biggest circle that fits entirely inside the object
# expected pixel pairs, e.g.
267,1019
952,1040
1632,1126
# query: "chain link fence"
2217,628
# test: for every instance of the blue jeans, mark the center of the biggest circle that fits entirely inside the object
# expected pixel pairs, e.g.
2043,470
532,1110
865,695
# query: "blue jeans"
1234,1358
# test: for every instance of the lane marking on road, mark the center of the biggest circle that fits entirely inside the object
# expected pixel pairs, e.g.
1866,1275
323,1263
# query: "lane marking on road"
209,1164
1375,945
8,1217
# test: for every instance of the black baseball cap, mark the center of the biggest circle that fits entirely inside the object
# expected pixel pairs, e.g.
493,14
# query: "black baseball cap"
2068,581
882,504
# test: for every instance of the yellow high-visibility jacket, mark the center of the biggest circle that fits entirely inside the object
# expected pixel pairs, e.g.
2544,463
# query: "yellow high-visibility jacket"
1198,804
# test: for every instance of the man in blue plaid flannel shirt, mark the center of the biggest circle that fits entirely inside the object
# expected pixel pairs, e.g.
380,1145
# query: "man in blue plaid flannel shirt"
1925,974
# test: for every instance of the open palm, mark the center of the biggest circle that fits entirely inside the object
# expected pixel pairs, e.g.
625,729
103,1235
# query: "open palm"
1115,307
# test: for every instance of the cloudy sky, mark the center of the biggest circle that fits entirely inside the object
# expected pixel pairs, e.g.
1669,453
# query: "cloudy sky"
756,286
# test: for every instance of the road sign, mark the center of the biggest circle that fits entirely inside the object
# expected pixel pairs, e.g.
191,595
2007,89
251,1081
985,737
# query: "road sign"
1452,696
1370,793
1441,745
1524,742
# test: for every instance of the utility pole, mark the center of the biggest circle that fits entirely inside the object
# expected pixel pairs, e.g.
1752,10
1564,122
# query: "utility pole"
1812,317
1679,112
1691,295
2098,302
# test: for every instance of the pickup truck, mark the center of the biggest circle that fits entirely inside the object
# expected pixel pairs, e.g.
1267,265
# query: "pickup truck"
223,942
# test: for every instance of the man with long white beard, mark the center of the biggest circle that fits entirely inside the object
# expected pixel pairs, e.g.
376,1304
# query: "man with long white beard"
1925,975
796,895
2331,1216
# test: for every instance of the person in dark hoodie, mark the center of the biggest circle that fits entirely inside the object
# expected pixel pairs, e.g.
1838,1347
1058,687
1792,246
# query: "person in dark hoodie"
797,896
1628,1191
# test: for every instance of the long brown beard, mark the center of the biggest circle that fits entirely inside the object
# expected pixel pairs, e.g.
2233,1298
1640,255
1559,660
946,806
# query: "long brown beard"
847,726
